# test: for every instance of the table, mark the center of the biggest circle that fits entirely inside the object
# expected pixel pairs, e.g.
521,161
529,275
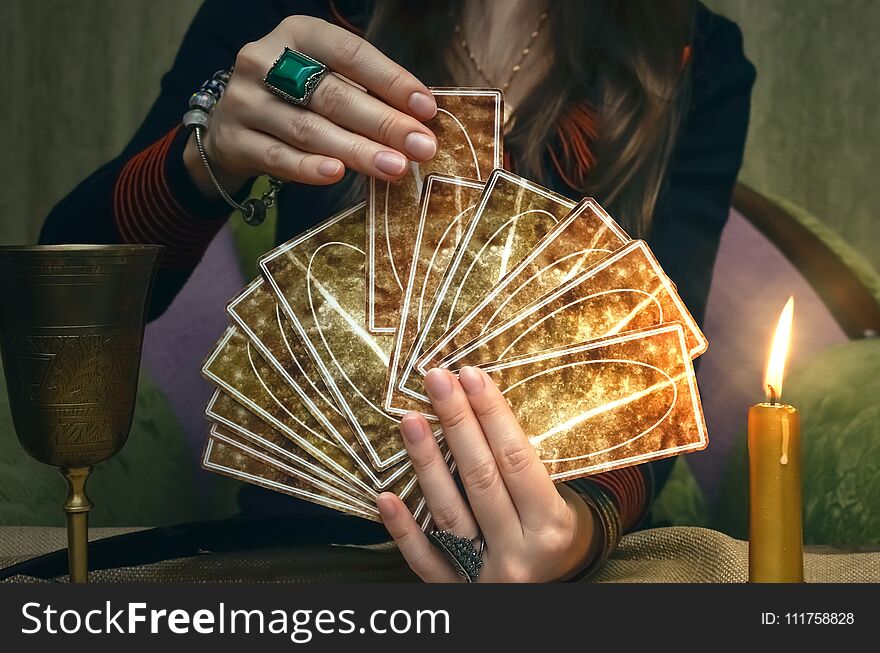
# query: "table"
675,554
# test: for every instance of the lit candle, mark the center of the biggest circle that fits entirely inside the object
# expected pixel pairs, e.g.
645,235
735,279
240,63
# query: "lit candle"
775,506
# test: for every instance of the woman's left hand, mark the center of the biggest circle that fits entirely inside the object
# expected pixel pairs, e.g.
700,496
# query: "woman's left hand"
534,530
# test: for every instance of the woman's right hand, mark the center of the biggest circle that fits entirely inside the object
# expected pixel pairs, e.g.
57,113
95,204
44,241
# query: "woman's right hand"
253,132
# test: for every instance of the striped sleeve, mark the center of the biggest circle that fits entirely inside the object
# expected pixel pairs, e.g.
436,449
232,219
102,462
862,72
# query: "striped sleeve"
630,489
151,205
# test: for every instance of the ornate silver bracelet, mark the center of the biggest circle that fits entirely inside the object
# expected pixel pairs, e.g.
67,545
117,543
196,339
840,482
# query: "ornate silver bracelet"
201,105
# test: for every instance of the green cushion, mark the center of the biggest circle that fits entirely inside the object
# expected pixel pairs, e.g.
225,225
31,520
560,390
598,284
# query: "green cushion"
680,502
151,482
836,394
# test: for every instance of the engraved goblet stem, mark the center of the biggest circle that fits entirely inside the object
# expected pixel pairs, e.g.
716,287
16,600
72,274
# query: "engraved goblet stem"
77,509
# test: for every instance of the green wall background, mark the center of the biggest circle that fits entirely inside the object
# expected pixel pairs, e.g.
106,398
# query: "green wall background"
814,137
80,74
78,77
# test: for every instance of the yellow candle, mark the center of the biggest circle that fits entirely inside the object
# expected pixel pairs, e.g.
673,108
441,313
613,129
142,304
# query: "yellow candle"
775,504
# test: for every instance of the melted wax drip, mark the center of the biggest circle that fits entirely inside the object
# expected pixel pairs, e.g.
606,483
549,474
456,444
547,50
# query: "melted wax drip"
783,460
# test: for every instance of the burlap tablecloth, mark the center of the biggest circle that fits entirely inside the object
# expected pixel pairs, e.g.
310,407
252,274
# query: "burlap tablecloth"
679,555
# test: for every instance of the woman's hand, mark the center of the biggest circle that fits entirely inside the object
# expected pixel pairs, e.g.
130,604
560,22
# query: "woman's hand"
253,132
534,530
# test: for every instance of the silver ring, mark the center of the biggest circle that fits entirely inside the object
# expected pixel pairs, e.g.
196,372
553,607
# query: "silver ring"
466,556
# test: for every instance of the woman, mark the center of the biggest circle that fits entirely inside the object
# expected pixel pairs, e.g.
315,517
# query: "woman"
643,105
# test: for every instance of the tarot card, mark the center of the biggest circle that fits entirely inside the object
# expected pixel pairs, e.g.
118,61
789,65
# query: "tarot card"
318,279
256,312
579,241
445,209
609,403
237,367
469,144
626,291
252,464
237,420
512,217
351,505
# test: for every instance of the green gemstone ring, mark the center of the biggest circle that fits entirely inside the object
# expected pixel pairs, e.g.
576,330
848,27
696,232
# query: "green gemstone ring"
294,76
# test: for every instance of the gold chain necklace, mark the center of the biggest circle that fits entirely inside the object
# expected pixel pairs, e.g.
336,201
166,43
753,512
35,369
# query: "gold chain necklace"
516,67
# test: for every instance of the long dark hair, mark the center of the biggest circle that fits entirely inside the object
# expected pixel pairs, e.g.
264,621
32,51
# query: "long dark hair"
627,58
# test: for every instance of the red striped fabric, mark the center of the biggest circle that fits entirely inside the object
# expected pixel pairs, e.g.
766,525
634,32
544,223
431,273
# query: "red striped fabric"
146,211
629,490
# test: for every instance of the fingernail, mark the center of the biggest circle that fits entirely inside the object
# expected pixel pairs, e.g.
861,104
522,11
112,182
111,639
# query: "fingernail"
329,167
420,146
438,384
387,506
412,430
422,106
391,163
471,380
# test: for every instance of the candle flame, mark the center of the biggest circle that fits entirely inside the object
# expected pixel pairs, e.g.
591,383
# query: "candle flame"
779,353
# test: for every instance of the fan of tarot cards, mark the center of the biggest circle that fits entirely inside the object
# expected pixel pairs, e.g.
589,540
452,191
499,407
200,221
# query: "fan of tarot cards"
459,263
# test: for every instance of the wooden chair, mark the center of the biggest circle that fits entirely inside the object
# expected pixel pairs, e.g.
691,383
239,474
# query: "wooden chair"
852,303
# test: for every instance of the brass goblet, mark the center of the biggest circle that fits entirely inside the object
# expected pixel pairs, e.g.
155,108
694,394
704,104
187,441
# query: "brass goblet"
71,329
